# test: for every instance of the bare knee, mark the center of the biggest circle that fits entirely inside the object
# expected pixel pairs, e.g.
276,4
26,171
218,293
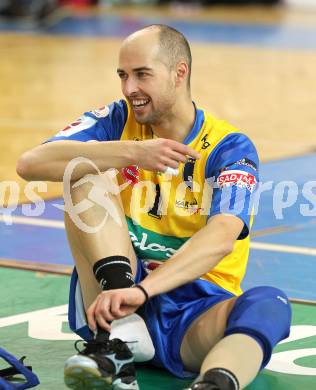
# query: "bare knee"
92,200
205,332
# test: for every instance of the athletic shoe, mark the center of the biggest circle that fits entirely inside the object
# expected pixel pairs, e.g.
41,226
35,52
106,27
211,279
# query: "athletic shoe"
215,379
103,364
200,383
203,386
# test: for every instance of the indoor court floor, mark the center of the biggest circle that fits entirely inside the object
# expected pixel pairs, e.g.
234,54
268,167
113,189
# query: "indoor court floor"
254,67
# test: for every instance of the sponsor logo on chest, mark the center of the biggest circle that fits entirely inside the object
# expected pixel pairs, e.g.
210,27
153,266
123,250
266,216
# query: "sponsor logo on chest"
131,174
145,246
191,206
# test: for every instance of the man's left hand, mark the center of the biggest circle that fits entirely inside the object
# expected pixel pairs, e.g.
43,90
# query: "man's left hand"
113,304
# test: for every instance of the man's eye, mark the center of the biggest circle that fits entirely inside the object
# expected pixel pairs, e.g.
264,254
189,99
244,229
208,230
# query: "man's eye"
122,76
141,74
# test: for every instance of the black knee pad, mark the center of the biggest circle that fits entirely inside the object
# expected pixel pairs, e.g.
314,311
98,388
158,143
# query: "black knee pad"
263,313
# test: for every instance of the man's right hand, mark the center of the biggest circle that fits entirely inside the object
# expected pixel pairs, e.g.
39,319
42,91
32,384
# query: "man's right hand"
161,153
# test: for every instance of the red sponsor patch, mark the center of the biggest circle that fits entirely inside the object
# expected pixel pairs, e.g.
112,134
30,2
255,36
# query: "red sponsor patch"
131,174
73,124
237,178
80,124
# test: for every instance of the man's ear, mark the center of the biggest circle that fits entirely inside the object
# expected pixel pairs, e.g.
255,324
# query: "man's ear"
182,71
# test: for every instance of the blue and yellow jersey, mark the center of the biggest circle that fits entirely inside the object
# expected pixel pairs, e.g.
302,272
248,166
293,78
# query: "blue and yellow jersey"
163,211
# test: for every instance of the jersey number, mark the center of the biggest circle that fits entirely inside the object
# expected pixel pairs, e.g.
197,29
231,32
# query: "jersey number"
155,212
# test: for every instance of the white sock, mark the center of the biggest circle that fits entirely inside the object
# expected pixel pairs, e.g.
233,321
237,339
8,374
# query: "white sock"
133,330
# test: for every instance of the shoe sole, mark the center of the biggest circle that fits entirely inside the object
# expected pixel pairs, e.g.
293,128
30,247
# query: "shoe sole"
86,378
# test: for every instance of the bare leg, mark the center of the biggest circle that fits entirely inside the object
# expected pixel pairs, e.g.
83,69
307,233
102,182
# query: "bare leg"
111,240
238,353
87,248
204,346
104,360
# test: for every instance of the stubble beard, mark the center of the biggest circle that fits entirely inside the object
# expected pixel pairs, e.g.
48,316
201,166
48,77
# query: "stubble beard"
159,115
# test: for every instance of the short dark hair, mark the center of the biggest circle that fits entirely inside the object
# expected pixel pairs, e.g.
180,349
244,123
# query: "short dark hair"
174,46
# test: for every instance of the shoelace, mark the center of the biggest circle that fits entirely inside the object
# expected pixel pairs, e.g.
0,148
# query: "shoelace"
92,346
107,345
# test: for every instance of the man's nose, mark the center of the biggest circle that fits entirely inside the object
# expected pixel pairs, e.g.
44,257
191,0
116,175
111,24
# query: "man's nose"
130,86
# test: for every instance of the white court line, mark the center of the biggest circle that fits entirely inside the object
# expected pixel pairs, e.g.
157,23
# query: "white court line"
254,245
301,250
34,221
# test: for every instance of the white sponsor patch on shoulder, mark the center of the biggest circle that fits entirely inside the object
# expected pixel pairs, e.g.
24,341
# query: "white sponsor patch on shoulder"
82,123
101,112
237,178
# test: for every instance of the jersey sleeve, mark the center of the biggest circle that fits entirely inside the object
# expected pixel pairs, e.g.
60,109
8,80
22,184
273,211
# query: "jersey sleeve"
233,171
104,124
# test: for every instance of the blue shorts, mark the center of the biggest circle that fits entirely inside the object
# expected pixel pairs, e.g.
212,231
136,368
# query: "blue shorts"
167,316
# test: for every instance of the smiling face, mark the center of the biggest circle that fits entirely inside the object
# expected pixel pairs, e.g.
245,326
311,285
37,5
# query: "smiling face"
147,82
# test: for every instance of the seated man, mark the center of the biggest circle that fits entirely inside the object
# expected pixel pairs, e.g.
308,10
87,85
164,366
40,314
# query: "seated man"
170,239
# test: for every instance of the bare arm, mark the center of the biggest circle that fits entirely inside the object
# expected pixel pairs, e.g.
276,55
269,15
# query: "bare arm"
197,256
49,161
